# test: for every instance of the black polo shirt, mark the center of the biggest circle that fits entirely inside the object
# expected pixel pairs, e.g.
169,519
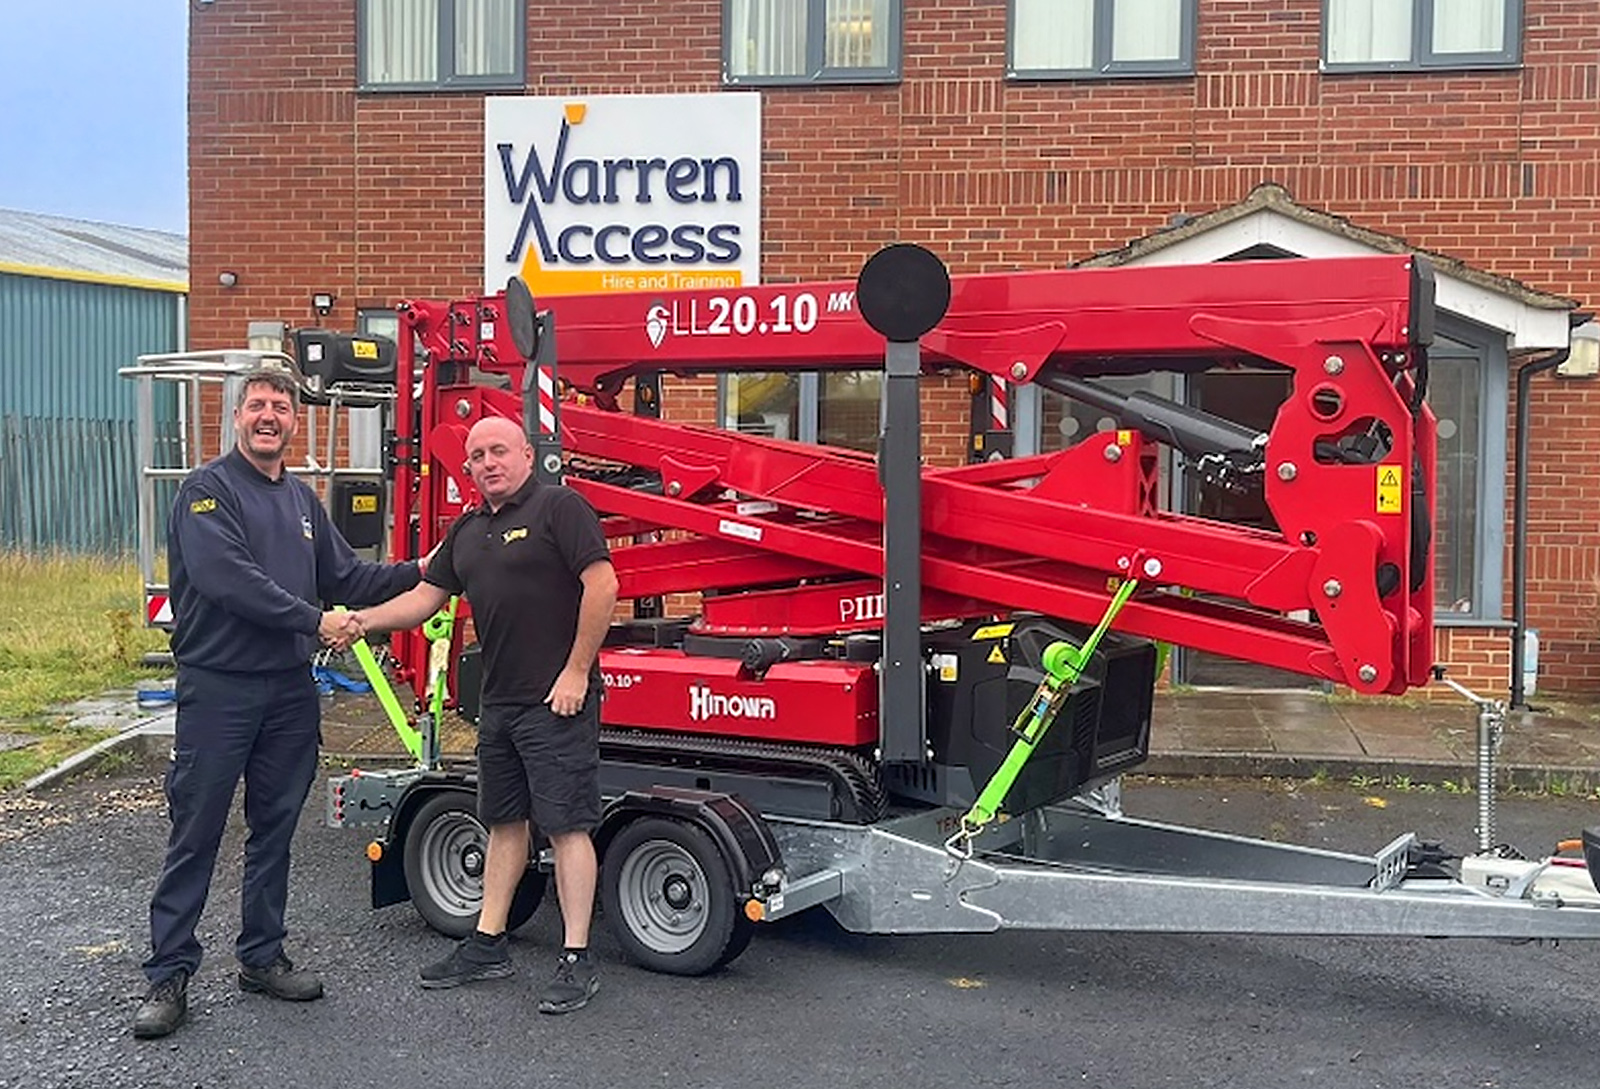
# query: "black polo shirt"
518,567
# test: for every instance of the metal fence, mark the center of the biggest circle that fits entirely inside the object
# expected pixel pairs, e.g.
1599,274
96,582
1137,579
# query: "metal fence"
68,486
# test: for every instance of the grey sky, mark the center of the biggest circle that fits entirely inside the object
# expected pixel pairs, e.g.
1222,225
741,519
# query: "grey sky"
93,113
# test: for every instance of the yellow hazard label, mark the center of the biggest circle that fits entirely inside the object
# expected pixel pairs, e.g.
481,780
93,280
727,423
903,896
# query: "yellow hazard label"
363,504
202,506
1391,482
992,631
364,349
1124,438
997,655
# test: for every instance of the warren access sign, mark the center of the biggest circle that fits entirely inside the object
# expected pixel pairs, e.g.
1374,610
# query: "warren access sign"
622,192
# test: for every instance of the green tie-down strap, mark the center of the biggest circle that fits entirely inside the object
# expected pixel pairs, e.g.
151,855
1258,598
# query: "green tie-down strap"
1063,665
438,628
409,735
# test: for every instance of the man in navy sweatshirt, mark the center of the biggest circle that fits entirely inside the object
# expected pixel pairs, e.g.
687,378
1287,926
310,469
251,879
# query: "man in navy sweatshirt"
251,556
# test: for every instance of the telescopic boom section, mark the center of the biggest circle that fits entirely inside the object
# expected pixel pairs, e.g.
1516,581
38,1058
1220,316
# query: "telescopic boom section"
789,537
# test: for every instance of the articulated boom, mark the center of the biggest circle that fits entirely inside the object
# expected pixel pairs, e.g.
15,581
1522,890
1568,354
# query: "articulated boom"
787,540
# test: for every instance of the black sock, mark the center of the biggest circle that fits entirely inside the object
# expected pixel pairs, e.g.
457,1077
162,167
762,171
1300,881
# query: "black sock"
576,954
488,939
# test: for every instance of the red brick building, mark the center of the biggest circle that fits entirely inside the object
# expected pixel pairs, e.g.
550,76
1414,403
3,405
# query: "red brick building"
340,148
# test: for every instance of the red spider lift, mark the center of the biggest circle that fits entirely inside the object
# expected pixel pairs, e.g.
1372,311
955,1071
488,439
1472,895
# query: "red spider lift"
858,714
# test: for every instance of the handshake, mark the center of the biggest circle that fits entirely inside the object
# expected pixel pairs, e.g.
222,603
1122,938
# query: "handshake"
339,629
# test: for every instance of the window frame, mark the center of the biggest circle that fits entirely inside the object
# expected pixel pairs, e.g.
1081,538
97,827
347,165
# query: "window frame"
816,53
1422,58
1103,66
515,81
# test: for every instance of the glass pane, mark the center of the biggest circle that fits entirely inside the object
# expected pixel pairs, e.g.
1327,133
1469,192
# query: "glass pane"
486,37
1369,31
1469,26
767,37
763,404
848,413
1453,385
857,34
1053,35
402,43
1147,30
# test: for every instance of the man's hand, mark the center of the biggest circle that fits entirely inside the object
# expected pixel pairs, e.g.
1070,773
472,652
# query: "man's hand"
566,695
339,629
422,564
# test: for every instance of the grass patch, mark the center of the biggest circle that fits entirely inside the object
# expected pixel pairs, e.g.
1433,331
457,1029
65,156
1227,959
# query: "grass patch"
54,745
70,626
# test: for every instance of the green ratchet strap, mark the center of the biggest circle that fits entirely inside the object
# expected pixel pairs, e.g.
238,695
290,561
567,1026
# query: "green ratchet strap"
438,628
1063,665
410,736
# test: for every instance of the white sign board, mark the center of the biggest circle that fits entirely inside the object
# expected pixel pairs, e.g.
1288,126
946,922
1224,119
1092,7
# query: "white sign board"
622,192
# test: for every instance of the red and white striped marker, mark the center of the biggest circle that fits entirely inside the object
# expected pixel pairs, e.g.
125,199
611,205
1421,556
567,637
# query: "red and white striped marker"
547,401
999,412
158,609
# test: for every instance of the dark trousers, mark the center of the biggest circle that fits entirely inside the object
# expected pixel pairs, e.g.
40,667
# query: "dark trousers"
265,727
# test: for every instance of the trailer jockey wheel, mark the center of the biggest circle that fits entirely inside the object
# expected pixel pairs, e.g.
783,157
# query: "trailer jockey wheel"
445,851
669,897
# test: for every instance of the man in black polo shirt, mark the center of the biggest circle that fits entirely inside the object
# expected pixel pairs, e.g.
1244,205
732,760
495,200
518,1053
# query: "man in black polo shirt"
533,563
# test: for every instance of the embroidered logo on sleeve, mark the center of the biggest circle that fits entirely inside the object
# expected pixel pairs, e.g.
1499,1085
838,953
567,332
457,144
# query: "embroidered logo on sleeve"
516,534
305,526
203,506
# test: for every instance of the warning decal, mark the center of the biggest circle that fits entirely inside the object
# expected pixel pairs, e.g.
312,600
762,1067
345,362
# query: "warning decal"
1391,482
997,656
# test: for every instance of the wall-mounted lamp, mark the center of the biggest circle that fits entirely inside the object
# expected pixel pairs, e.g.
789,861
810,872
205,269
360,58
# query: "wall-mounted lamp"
227,279
322,303
1584,361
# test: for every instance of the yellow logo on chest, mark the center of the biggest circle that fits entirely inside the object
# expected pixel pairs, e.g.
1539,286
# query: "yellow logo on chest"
513,534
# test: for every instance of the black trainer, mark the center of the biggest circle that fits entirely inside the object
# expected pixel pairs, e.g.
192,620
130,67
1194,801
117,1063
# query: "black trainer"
165,1006
574,983
281,979
475,957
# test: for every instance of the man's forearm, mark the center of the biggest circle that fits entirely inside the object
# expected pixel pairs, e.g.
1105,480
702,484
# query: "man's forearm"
594,620
405,611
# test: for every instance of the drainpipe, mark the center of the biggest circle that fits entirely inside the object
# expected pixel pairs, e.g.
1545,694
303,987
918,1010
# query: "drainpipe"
1519,545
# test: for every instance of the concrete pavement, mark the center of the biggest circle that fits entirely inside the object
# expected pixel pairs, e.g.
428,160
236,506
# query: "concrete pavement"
1216,732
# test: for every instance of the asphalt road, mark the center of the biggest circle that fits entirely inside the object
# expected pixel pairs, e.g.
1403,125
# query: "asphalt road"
807,1005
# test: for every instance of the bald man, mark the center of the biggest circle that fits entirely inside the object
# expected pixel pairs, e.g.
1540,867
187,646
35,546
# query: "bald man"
533,563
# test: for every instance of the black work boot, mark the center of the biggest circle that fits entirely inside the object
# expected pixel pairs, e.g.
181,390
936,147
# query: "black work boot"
281,979
574,983
477,956
165,1006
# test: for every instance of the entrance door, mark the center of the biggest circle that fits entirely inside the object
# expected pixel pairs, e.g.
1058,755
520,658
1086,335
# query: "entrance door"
1250,398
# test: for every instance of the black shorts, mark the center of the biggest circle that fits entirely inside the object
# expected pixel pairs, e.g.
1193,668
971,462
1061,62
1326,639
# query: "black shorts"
536,765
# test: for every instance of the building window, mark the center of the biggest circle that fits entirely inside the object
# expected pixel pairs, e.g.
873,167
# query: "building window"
418,45
1381,35
1077,39
842,408
811,41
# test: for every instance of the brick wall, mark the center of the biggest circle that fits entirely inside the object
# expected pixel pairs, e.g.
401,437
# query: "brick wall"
299,184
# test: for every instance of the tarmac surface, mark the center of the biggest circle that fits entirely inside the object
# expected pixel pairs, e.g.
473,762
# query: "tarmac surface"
1201,732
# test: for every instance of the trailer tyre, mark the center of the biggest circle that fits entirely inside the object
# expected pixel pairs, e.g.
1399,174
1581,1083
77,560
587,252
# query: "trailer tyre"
669,896
446,847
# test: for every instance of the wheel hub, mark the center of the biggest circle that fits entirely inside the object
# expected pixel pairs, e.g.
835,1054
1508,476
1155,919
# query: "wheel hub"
677,892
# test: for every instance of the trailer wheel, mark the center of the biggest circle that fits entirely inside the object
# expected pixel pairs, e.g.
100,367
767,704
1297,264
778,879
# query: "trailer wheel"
669,896
445,852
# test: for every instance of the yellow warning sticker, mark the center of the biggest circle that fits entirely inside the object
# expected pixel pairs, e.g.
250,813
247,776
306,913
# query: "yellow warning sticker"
363,349
363,504
997,655
1124,438
992,631
1391,482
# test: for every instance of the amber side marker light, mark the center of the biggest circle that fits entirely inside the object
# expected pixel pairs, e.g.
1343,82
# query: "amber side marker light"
754,911
374,851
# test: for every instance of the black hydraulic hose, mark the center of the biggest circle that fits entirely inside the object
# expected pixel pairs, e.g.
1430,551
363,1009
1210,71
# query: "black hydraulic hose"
1519,507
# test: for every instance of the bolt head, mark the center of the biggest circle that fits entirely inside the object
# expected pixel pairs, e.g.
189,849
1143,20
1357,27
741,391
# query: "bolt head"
1152,568
552,463
1019,370
1287,470
1332,588
1113,452
1333,365
1367,673
463,408
674,488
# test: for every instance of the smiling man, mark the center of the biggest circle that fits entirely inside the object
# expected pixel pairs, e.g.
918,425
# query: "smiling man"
252,557
533,563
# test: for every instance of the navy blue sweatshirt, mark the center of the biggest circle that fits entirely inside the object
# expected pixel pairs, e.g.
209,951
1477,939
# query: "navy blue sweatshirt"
250,559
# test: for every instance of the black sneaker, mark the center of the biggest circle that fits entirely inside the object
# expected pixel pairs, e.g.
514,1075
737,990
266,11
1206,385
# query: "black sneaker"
574,983
475,957
165,1006
281,979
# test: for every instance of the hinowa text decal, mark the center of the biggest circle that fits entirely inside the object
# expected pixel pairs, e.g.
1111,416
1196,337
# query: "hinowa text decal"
622,192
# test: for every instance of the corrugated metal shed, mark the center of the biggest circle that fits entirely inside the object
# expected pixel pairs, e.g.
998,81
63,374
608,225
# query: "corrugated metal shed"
78,300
